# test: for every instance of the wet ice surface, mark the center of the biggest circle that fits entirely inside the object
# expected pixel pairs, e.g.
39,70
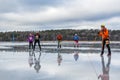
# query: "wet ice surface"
67,46
56,65
15,66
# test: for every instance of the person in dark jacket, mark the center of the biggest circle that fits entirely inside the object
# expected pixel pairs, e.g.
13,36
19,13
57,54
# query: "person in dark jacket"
37,40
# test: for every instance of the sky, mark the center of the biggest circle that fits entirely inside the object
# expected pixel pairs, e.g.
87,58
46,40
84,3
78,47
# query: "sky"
25,15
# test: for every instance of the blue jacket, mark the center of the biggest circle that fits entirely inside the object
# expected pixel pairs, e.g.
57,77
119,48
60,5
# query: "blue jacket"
76,38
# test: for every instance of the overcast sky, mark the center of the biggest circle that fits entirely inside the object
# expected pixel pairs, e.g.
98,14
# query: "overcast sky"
58,14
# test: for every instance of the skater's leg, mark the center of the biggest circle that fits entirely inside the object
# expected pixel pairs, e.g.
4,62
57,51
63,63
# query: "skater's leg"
103,46
39,45
77,44
74,43
58,44
108,46
29,45
34,45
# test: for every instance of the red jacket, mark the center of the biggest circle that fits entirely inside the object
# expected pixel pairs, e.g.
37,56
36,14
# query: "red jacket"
59,37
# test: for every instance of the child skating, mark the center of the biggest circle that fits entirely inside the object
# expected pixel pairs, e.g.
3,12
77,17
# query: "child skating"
76,40
30,40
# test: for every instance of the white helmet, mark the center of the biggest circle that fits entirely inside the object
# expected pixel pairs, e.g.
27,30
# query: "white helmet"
75,34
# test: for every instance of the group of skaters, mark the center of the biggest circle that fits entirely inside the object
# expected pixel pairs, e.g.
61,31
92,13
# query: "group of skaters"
33,40
104,33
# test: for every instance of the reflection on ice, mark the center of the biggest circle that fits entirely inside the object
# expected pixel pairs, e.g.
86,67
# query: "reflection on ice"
105,69
34,60
30,59
76,55
37,65
14,66
59,59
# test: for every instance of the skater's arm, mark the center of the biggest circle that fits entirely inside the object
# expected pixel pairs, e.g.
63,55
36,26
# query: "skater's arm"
100,33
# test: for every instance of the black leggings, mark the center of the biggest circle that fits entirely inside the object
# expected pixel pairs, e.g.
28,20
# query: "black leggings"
59,44
37,41
106,42
30,45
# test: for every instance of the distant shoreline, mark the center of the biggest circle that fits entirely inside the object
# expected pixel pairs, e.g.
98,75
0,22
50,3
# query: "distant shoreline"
50,35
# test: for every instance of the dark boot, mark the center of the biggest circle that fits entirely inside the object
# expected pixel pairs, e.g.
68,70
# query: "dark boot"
60,46
109,50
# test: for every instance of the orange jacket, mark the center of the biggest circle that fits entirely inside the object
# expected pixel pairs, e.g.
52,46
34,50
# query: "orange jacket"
104,34
59,37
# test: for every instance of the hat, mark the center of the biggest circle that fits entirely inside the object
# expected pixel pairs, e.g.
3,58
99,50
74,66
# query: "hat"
76,34
102,25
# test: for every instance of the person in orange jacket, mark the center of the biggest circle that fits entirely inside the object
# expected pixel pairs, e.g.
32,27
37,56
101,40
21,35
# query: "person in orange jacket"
104,33
59,38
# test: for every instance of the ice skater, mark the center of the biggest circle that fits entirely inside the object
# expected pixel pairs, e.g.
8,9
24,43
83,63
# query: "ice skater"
30,40
104,33
76,39
37,40
59,38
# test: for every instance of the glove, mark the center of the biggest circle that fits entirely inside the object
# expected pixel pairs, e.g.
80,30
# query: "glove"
98,33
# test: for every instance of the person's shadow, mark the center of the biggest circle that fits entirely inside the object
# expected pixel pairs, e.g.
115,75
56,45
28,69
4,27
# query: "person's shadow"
37,64
105,69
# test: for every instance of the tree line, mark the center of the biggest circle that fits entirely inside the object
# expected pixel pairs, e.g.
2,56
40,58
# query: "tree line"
50,35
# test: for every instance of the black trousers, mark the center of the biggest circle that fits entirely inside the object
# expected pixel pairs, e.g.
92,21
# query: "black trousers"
59,44
37,41
107,43
30,45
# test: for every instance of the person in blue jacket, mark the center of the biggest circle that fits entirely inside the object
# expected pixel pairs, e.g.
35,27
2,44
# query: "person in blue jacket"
76,39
